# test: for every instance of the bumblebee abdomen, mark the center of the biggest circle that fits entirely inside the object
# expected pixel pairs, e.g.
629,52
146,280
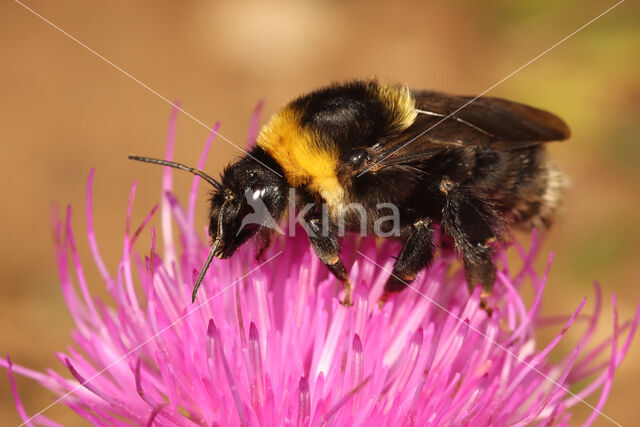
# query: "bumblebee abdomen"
525,184
539,202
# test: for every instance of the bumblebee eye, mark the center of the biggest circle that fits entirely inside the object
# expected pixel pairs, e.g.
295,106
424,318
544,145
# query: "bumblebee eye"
357,157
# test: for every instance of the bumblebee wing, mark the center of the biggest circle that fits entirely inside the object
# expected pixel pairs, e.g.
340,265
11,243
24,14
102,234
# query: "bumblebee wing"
490,122
447,120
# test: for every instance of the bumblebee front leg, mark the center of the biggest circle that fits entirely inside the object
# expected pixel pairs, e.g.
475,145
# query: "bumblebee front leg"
416,254
326,246
264,239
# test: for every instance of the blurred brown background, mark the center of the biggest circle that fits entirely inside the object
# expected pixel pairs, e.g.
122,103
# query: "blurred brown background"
63,111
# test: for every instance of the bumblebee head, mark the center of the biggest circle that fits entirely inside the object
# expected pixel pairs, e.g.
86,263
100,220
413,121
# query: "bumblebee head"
252,196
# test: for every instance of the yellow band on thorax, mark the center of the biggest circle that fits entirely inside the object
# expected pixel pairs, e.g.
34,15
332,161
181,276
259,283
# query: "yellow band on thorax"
303,156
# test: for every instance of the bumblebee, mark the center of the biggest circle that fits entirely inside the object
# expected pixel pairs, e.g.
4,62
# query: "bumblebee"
473,166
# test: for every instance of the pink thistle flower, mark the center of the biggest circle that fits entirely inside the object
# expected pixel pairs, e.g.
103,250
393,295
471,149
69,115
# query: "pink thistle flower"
267,343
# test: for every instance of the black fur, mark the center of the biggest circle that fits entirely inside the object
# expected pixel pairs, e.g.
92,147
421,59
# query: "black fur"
350,113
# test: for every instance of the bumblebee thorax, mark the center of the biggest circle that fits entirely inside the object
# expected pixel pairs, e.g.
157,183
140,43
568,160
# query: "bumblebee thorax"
309,137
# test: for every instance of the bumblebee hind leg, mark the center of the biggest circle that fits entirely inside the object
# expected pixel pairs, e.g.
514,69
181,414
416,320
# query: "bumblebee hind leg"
416,254
474,225
481,272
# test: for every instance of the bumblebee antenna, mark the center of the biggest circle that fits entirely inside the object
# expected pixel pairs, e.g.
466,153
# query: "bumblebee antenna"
180,166
205,267
212,252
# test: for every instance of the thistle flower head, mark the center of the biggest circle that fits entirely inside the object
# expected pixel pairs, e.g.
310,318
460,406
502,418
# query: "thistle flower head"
267,342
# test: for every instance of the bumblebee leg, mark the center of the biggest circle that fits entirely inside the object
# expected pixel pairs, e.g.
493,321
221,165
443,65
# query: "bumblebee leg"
473,225
327,248
416,254
481,271
265,242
